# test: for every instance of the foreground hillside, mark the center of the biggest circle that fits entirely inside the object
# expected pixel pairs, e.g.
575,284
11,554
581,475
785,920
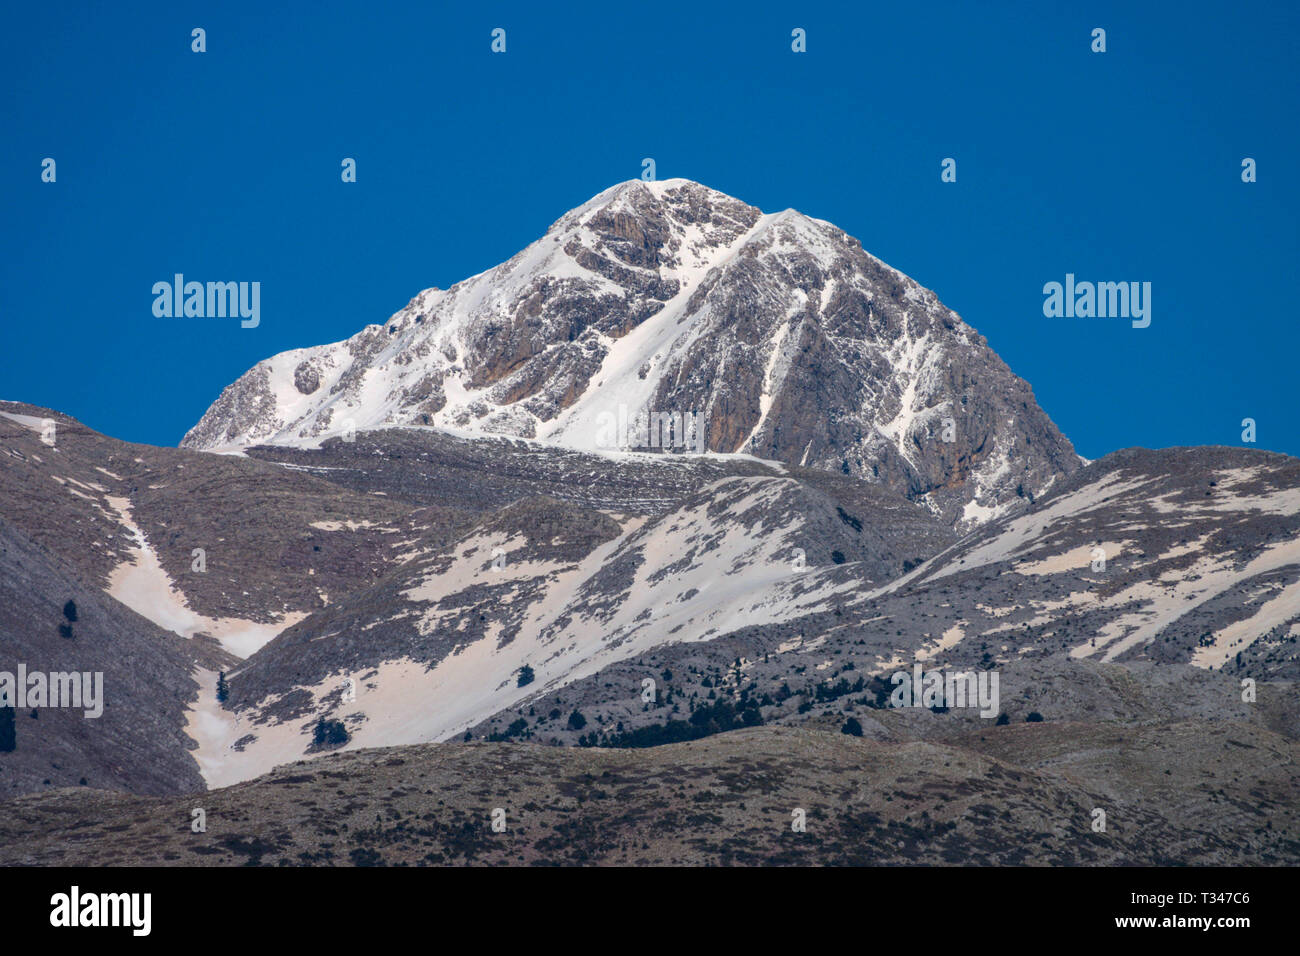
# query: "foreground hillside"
1186,792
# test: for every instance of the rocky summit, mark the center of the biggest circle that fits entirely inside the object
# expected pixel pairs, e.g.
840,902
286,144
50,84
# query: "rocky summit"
667,304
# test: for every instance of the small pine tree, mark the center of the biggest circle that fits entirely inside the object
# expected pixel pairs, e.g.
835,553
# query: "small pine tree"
223,689
70,611
852,727
577,721
525,676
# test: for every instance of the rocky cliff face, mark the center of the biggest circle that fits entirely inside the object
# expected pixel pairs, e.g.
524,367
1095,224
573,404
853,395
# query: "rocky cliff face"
670,315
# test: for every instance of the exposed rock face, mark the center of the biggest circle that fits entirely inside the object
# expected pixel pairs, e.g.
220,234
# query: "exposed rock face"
305,378
776,334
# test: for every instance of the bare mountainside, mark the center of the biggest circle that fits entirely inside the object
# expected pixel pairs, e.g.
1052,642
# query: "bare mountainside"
712,602
411,586
671,305
51,621
158,568
129,517
209,557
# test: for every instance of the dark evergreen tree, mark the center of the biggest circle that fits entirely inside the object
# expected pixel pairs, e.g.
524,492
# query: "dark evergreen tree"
330,733
525,676
852,727
223,689
8,738
70,611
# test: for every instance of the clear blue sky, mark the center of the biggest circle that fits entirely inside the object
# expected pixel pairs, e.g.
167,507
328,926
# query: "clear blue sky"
225,166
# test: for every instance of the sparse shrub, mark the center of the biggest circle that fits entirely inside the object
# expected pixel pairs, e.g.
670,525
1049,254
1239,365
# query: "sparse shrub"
705,720
516,729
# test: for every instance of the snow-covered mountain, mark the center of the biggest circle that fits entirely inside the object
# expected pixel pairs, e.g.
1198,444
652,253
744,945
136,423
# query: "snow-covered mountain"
484,561
669,314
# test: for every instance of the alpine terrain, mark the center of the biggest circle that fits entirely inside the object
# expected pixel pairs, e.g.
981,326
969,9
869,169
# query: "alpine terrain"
685,517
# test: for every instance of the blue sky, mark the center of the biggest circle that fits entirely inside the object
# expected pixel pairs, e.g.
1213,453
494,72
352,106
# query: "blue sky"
225,166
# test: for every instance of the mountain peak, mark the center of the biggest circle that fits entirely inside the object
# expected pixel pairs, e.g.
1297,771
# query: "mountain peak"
670,314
